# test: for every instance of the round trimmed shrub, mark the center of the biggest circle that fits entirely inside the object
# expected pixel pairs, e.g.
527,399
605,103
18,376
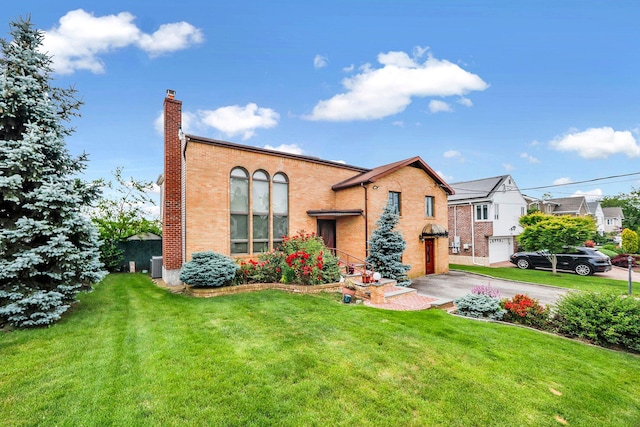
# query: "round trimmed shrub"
481,306
208,270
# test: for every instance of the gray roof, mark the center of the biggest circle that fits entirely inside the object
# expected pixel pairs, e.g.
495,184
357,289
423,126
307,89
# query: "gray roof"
615,212
567,204
592,206
476,190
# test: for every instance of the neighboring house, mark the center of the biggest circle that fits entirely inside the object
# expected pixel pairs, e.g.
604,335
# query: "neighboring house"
484,219
595,210
613,219
240,201
575,206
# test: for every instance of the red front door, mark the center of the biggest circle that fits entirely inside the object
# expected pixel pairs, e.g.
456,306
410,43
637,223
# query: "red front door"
429,258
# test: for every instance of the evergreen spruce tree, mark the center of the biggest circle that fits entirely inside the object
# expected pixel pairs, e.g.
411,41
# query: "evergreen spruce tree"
48,249
386,248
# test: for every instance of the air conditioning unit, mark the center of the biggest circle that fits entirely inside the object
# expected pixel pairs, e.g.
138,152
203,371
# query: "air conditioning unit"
156,267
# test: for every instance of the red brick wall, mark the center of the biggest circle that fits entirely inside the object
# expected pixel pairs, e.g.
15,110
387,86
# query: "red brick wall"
172,209
460,218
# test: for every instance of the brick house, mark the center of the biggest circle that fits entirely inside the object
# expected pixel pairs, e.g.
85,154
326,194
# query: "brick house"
240,200
484,219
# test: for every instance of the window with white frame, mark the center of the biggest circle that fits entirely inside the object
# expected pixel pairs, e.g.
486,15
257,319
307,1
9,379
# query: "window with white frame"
496,212
482,212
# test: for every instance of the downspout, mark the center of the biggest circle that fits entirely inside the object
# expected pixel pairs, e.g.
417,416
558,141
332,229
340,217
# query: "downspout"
366,220
473,238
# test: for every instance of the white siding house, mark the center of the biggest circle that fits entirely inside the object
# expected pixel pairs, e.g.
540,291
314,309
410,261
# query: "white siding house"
484,219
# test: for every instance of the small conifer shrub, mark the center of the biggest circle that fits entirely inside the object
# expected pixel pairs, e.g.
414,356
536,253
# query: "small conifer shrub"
208,269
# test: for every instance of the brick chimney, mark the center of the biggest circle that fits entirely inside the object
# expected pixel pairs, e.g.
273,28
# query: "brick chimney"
172,221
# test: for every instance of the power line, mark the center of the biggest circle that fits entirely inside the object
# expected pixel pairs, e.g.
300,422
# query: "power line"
580,182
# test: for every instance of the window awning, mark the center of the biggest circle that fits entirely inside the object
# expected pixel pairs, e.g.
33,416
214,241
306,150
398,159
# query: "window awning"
335,212
434,230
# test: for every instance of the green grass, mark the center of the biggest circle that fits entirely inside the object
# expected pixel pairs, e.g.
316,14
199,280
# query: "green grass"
132,354
543,277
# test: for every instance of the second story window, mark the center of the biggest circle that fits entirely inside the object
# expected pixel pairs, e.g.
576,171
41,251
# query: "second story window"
428,207
394,201
482,212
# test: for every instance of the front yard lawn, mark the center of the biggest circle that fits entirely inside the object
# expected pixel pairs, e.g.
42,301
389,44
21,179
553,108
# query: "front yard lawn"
562,279
132,354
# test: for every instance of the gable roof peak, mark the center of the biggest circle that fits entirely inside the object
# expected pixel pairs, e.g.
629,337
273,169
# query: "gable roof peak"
376,173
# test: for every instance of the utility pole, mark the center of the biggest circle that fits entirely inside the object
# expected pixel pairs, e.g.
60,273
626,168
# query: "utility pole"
630,264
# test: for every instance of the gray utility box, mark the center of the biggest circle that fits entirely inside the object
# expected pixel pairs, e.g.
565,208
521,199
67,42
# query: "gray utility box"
156,267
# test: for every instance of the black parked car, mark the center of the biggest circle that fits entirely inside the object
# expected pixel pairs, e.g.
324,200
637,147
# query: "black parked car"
584,261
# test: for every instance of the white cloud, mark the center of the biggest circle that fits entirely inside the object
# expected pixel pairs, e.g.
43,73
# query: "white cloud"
465,101
450,154
320,61
190,123
529,158
169,38
598,143
507,167
349,69
446,178
81,38
562,181
398,123
236,120
595,194
380,92
436,106
287,148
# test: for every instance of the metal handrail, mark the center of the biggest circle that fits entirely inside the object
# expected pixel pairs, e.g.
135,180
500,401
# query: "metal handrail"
361,266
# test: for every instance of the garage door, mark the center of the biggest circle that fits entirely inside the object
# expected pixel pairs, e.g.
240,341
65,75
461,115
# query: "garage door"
500,249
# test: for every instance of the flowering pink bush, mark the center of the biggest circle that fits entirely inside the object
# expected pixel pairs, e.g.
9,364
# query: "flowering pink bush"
486,290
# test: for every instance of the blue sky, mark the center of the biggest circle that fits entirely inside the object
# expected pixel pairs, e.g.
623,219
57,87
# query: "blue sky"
547,91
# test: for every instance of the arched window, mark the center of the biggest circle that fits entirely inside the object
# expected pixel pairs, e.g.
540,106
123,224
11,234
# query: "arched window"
239,186
260,210
280,207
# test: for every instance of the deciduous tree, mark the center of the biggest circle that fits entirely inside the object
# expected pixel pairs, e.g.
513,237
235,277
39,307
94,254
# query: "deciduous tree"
122,212
552,234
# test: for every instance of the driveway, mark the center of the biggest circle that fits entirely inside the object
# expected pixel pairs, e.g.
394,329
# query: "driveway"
455,284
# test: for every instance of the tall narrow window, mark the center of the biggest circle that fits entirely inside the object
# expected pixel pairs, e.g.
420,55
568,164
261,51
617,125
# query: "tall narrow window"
496,212
428,207
482,212
394,201
280,207
239,190
260,210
